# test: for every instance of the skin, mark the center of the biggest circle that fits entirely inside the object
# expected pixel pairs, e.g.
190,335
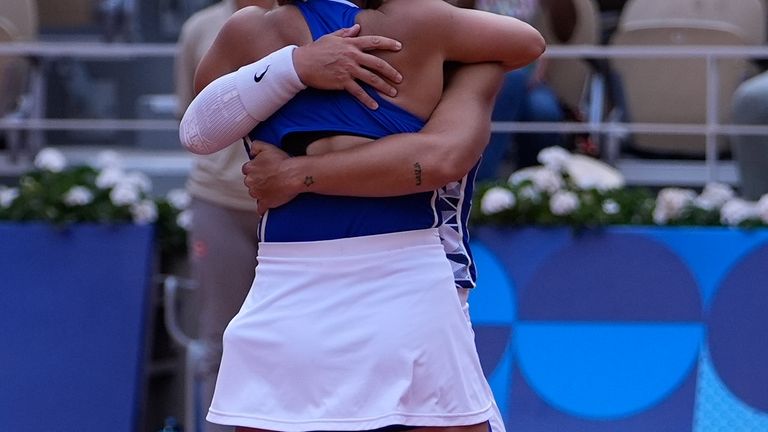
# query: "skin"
427,45
334,62
560,13
342,165
445,150
562,18
385,167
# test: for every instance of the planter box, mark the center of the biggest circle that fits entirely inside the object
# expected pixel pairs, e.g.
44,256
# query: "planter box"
73,312
624,328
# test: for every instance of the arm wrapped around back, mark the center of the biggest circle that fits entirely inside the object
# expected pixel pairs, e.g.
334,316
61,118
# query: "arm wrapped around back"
230,106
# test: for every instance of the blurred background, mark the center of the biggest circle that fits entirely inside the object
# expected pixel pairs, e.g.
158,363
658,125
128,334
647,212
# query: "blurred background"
667,93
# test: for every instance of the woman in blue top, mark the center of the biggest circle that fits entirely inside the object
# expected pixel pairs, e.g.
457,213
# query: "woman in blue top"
352,322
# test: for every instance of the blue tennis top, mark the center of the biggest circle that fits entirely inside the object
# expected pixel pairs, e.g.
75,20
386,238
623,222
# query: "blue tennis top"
314,114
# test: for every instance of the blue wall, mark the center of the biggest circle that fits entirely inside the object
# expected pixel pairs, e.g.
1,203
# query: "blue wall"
73,312
624,329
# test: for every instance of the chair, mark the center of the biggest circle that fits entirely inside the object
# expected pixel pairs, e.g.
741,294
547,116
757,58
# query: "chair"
18,23
669,90
23,15
8,94
745,18
569,78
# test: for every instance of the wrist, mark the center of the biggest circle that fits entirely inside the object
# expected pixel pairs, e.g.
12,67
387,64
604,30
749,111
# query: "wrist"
267,84
297,178
299,65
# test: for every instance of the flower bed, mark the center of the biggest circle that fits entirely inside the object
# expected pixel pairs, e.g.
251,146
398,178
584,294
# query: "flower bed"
570,189
105,194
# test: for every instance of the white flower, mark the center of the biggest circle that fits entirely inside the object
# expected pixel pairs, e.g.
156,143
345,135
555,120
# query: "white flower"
124,194
737,211
563,203
547,180
762,208
8,196
108,159
530,193
520,176
109,177
660,216
554,158
590,173
179,198
611,207
140,180
184,219
78,196
714,196
671,203
497,199
50,159
144,212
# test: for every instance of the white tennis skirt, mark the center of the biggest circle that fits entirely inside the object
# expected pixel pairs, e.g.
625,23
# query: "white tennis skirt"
351,334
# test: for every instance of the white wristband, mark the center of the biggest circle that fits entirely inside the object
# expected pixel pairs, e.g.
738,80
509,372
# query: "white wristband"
230,106
266,85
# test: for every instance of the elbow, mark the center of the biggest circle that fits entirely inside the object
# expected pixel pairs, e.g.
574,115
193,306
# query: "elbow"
450,170
191,139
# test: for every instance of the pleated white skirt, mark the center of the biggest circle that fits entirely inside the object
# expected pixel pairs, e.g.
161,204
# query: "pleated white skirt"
351,334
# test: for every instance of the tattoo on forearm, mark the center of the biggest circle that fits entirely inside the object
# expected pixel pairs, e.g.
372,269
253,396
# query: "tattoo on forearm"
309,181
417,173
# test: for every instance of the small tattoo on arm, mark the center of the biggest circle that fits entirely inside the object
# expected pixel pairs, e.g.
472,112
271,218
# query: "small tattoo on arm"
309,181
417,173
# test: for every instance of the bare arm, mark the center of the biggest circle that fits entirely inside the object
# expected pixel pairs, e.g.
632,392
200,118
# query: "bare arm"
231,101
445,150
333,62
473,36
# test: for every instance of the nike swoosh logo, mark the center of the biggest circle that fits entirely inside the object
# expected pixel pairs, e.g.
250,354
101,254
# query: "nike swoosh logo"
258,77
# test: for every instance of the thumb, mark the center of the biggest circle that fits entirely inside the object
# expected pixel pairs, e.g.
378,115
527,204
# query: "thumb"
257,148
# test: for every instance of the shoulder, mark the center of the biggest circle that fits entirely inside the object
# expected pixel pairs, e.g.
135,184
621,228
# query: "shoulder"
422,22
247,19
419,11
434,22
256,26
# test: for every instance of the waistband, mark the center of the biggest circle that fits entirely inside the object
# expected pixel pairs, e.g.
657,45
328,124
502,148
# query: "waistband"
353,245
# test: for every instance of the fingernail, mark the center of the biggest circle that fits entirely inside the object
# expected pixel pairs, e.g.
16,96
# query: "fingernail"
393,92
399,78
398,45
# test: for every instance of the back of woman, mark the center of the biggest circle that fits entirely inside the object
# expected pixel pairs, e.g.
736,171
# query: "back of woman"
316,115
358,329
431,31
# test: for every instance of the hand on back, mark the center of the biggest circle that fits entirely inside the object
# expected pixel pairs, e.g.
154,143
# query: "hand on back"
338,60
